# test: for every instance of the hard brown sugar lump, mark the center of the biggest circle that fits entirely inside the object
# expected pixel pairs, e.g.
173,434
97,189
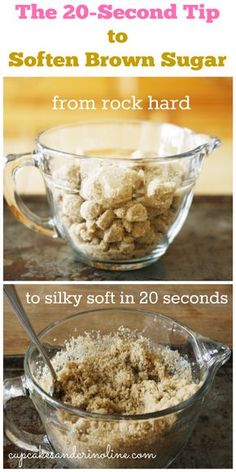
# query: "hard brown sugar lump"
102,202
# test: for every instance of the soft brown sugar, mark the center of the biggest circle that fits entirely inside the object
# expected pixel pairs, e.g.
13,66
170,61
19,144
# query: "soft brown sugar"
119,373
124,376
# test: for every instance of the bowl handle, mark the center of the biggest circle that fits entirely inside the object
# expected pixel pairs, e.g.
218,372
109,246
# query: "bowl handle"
14,163
13,388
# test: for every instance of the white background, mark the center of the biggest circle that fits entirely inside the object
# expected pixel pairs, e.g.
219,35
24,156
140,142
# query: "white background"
61,37
146,37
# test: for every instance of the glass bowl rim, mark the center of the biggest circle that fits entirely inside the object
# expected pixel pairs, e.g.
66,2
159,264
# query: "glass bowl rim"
211,141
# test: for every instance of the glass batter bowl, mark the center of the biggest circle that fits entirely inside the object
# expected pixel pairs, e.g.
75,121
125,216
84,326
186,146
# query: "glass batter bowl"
72,433
119,192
